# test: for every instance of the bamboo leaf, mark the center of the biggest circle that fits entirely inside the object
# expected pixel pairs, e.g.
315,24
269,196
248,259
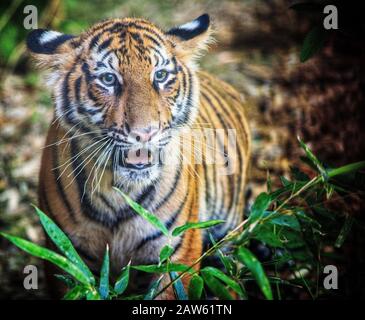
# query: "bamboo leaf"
177,267
166,253
313,42
153,290
151,218
66,279
63,243
122,283
195,225
92,294
227,261
50,256
224,278
76,293
254,265
314,159
196,286
104,276
218,289
345,230
260,205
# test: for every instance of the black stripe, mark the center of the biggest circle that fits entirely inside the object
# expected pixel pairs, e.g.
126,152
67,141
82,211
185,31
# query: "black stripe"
168,225
104,44
78,88
173,187
61,190
86,205
66,105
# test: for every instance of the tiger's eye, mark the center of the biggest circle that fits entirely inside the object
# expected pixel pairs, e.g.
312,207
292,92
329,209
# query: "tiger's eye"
161,75
108,79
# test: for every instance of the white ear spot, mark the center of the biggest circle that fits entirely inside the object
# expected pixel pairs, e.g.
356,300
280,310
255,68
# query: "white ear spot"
190,25
48,36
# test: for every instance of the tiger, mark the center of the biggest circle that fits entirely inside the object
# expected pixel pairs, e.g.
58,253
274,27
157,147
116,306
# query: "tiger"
127,95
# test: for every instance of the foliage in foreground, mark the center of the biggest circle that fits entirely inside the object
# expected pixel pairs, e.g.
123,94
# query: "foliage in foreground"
292,221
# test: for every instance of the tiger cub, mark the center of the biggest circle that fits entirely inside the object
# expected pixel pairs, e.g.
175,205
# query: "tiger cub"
132,111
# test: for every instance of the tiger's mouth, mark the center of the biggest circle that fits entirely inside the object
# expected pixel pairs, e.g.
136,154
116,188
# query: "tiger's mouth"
137,159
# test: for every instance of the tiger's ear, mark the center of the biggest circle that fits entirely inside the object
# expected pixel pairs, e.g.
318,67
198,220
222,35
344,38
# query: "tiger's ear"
48,47
192,38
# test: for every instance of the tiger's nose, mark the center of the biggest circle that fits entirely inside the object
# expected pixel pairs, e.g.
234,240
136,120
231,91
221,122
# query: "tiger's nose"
144,134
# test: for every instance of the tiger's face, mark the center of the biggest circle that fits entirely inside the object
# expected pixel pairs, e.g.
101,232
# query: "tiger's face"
124,88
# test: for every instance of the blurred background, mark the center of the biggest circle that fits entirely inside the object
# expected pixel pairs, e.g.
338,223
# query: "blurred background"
258,50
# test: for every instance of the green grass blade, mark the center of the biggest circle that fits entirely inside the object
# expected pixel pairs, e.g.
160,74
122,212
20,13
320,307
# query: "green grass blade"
50,256
178,287
254,265
122,282
151,218
63,243
104,276
196,286
195,225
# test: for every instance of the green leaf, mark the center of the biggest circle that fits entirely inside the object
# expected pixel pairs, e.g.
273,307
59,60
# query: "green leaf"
254,265
166,253
63,243
92,294
227,261
151,218
153,289
196,286
284,181
67,280
260,205
218,289
195,225
76,293
153,268
50,256
313,42
224,278
314,159
345,230
104,276
122,283
284,219
178,287
265,233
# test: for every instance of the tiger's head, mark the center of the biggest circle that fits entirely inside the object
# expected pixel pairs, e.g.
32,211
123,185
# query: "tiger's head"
123,87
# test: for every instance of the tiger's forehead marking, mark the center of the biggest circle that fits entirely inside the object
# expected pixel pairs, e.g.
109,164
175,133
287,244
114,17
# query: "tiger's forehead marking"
129,41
